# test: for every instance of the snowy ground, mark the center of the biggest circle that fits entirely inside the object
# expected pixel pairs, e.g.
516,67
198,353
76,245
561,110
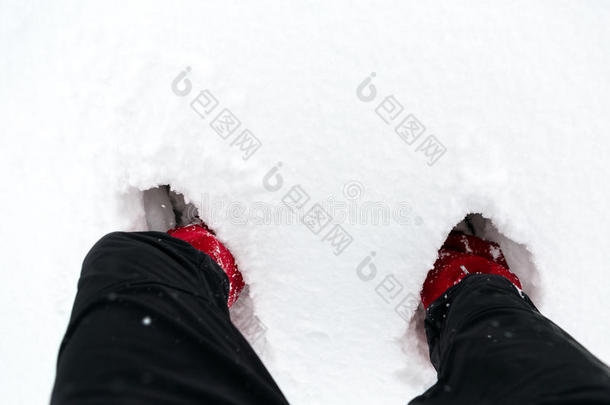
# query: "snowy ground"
517,94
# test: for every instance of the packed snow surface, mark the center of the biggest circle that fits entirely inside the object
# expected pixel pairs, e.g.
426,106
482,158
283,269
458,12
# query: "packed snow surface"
332,146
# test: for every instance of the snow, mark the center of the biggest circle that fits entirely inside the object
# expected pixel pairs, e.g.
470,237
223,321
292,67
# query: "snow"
516,92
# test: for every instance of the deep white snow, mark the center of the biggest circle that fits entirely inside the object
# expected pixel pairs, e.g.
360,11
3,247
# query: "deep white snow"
517,92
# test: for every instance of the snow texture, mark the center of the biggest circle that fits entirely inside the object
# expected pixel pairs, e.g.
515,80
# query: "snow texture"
516,95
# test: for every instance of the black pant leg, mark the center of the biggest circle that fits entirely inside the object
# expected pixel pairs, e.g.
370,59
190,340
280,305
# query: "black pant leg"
150,325
490,345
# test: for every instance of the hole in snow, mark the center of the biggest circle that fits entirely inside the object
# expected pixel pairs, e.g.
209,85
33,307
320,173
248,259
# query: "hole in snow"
519,260
165,209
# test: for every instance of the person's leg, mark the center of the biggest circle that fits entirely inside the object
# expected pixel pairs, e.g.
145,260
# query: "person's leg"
150,325
490,345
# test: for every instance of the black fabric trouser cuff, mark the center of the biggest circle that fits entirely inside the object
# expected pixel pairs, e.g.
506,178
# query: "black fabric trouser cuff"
490,345
150,325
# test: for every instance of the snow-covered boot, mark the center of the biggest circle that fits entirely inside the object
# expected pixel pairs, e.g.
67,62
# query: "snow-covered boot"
460,255
165,209
204,239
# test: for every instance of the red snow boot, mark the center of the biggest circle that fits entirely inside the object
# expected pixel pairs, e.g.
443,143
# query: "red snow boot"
459,256
204,239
